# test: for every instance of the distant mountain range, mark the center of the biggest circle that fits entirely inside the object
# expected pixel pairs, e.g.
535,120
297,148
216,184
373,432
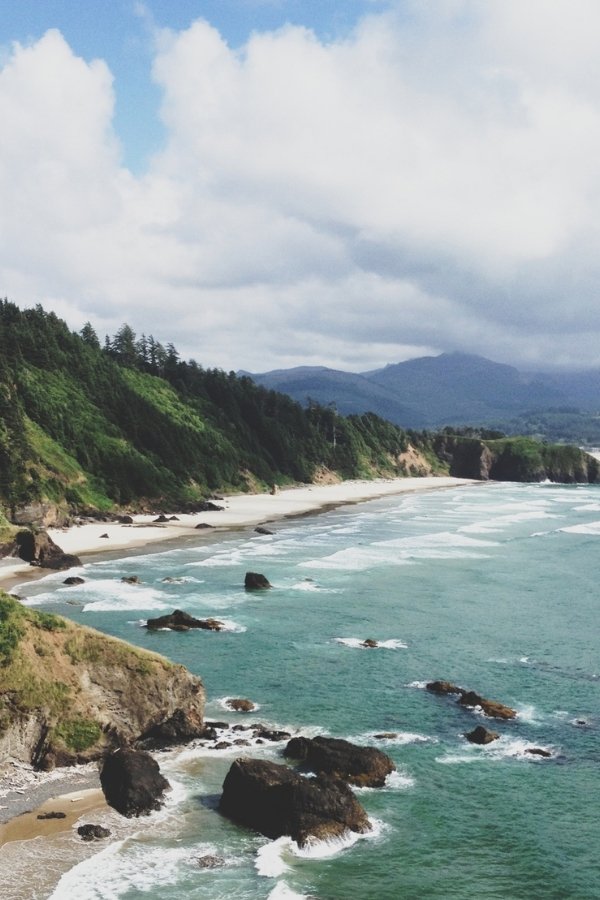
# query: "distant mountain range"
450,389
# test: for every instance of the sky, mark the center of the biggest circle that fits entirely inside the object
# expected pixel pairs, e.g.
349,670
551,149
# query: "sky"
275,183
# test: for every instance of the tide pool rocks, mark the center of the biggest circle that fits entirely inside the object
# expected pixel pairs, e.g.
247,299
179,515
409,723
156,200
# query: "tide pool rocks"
182,621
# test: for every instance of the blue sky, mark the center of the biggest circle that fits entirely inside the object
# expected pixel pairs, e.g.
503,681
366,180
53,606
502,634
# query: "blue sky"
121,32
270,183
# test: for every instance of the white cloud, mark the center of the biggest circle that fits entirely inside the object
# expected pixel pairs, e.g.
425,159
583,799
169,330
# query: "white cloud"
428,183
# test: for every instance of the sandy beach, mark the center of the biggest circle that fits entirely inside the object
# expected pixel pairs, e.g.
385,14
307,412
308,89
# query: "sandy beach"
239,510
22,799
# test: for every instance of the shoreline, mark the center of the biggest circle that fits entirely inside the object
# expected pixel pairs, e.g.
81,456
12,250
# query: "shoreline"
37,793
239,511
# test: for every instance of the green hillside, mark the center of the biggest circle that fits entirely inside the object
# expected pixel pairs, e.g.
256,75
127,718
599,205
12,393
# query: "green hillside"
129,422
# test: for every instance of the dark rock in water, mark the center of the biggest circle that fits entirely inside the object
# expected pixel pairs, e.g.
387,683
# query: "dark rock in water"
481,735
261,529
173,518
74,579
93,832
221,726
385,735
161,518
179,621
209,734
104,535
125,520
131,579
210,862
132,782
240,704
369,643
362,766
38,549
537,751
204,525
443,687
180,728
274,800
222,745
52,815
269,734
254,581
490,707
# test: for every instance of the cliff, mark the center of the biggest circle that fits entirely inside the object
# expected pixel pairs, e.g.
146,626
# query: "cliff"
516,459
68,693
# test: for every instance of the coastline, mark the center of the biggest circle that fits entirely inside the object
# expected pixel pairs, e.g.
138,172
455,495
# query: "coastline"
37,792
239,511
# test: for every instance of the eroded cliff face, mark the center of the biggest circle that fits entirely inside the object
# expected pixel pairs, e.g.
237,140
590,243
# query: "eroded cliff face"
68,693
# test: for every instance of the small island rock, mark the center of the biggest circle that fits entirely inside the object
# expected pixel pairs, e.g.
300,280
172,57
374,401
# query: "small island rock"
132,782
240,704
481,735
361,766
254,581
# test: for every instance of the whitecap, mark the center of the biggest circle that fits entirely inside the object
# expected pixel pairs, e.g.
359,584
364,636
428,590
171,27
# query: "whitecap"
359,644
282,891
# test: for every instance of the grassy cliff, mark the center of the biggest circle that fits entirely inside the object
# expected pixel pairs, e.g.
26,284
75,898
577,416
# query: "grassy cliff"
68,693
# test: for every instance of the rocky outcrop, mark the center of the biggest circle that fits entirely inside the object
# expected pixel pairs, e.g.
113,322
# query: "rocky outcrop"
91,832
361,766
240,704
69,694
262,529
38,549
74,579
369,643
274,800
182,621
132,782
254,581
472,699
481,735
180,728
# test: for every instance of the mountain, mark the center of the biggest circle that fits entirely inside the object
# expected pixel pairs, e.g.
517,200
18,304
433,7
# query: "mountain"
456,389
350,393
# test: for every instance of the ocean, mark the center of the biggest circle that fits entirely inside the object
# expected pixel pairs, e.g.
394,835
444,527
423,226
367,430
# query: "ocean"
493,587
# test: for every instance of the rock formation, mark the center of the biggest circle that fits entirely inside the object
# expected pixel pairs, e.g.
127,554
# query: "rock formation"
132,782
254,581
276,801
38,549
69,694
481,735
471,699
361,766
92,832
182,621
240,704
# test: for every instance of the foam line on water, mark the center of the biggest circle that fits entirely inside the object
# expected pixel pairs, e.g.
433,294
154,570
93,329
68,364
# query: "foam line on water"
359,644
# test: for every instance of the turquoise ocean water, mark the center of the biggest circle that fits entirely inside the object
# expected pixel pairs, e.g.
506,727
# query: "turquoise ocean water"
493,587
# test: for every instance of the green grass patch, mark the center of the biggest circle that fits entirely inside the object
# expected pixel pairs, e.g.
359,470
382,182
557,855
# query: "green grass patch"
78,734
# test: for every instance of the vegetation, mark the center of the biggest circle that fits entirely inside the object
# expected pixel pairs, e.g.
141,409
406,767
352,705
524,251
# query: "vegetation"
78,734
91,426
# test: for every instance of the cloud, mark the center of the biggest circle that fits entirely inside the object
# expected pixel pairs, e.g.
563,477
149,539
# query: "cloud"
428,182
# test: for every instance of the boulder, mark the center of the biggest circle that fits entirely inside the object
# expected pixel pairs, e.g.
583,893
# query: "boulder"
207,506
93,832
369,643
254,581
105,535
443,687
74,579
180,728
240,704
131,579
274,800
182,621
270,734
125,520
38,549
481,735
261,529
491,708
52,815
537,751
132,782
204,525
361,766
161,518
